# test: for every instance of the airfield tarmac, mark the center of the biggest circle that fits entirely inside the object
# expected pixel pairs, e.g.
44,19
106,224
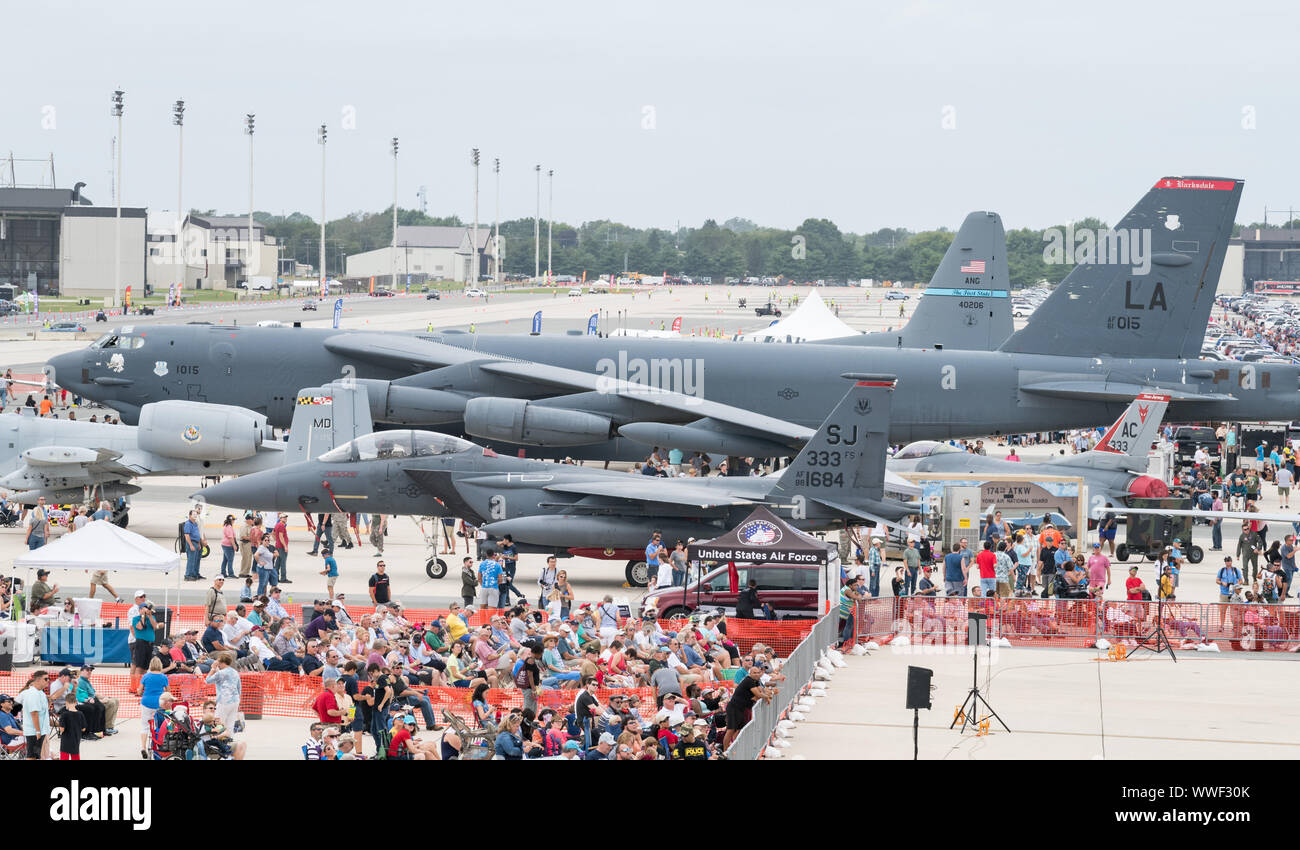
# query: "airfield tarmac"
861,714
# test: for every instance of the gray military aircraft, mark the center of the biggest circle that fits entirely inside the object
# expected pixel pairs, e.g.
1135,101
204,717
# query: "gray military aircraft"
67,461
1114,470
953,314
1129,318
838,478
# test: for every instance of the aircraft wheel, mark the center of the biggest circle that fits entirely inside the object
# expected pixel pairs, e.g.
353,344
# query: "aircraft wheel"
1195,554
436,568
1121,552
637,574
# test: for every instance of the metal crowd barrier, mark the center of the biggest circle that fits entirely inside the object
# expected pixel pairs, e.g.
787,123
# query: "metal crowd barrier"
798,671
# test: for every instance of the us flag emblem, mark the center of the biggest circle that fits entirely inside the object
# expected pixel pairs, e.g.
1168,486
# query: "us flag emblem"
973,267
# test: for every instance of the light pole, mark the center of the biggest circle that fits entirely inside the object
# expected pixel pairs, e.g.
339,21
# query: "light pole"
496,225
117,236
321,135
473,248
178,118
550,217
537,228
253,260
394,249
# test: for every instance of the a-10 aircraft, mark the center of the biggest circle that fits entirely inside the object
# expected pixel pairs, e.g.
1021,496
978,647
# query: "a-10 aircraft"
72,460
837,479
1114,470
1130,322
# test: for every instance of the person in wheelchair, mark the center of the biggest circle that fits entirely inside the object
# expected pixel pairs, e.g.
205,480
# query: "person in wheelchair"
172,733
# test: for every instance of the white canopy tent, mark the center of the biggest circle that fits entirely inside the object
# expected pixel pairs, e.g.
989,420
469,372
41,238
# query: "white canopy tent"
812,321
101,545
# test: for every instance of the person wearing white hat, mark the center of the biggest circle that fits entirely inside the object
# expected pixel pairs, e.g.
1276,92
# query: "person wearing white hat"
875,563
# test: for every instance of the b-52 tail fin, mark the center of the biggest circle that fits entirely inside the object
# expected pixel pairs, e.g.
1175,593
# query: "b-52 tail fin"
1144,288
325,417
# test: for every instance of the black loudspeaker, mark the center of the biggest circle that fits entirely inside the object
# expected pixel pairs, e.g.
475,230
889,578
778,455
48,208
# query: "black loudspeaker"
977,633
918,687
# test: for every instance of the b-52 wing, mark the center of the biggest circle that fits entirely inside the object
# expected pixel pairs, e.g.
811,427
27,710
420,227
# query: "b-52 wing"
1111,391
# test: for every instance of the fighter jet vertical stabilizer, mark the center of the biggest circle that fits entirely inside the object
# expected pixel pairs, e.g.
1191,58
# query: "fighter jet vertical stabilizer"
843,464
325,417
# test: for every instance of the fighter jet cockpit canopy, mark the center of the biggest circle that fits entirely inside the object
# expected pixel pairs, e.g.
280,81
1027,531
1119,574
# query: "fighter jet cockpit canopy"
924,448
388,445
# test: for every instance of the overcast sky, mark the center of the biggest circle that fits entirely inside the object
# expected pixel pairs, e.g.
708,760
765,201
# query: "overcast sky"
654,113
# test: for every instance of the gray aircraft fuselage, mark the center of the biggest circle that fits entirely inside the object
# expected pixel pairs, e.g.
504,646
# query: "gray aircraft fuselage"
942,393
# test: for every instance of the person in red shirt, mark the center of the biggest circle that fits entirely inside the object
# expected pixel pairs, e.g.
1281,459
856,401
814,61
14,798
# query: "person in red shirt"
280,534
987,563
326,704
1133,585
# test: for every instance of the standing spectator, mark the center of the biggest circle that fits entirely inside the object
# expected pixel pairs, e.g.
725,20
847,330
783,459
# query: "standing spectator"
36,525
741,705
563,587
652,551
911,566
678,560
1133,586
987,563
331,571
954,572
228,546
850,595
215,603
192,532
36,715
489,578
246,546
378,528
1003,568
1288,551
546,581
1106,530
875,563
145,629
379,587
1227,579
1216,524
1248,552
509,563
265,559
280,536
72,726
1098,571
469,580
228,689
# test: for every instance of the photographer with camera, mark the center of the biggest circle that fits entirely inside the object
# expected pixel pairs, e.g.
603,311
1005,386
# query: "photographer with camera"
144,628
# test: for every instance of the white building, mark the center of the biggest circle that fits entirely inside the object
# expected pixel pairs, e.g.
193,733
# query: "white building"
215,252
425,253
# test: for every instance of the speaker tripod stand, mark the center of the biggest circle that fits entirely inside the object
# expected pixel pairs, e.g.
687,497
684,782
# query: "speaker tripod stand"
969,710
1157,633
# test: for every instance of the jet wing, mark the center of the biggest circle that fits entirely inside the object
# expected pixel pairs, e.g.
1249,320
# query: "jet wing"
401,351
575,379
1109,391
653,490
861,514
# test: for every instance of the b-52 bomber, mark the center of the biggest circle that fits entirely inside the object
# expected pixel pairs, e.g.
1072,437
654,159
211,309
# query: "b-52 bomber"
837,479
1128,319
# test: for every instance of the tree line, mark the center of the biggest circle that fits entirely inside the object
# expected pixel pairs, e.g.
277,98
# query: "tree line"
816,250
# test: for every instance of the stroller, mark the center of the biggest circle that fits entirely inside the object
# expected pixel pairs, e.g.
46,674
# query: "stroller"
178,739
